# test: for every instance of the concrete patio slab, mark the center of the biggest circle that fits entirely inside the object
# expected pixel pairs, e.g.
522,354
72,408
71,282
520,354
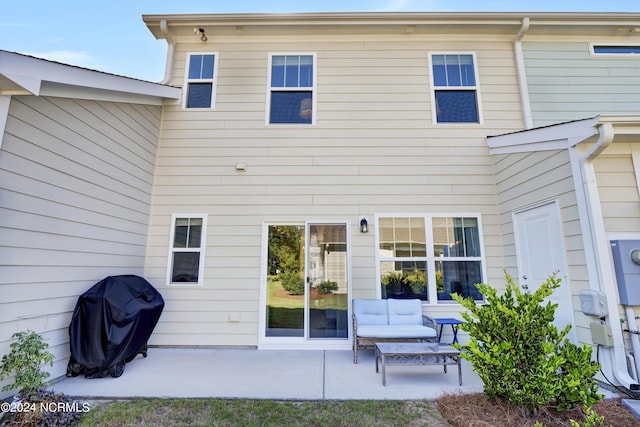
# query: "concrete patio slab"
269,374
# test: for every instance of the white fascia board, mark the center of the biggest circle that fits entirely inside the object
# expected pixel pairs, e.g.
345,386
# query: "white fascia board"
5,100
43,77
99,94
628,124
554,137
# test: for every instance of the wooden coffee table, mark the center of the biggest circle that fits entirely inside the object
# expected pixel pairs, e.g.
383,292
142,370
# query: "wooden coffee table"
416,354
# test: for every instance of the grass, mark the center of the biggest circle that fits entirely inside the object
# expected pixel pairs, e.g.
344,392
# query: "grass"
454,410
242,412
278,297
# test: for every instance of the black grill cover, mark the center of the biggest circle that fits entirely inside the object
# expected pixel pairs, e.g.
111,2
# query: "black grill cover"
111,325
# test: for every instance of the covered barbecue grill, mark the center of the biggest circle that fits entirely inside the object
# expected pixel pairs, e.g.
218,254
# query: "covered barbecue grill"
111,325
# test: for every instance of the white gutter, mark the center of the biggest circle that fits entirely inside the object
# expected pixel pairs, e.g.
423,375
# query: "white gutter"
171,47
522,75
598,264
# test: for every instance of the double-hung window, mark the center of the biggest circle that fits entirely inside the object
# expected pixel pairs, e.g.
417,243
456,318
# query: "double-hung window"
291,89
429,257
455,88
200,80
186,250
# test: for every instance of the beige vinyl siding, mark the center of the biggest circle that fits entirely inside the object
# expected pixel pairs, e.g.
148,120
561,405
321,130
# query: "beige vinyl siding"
566,82
619,200
618,189
74,203
373,150
525,179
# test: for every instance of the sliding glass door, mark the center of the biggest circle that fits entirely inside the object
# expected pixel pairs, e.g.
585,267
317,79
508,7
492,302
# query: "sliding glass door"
306,293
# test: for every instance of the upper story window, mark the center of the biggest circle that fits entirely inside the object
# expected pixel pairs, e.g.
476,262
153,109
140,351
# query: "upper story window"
616,50
186,250
430,257
291,89
455,88
200,80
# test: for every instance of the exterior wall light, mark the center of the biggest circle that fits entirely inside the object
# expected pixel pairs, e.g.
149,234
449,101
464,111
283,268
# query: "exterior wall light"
200,31
364,225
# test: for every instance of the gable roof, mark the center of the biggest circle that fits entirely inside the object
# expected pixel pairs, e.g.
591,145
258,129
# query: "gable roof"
625,128
26,75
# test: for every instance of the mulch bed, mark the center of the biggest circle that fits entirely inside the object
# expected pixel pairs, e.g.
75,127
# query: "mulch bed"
475,410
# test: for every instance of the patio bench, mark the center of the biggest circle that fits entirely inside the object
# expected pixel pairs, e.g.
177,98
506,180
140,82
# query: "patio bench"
394,320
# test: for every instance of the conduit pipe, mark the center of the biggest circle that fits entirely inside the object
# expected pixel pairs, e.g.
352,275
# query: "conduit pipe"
604,270
171,47
522,74
633,329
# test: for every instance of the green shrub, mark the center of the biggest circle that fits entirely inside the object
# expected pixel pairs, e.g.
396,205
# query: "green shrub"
292,282
327,287
521,356
592,419
28,353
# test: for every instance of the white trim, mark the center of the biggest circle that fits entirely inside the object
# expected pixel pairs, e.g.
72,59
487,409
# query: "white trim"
188,81
476,89
203,245
430,257
5,101
313,89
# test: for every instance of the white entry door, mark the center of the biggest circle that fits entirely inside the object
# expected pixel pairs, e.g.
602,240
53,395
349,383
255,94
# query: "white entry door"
540,252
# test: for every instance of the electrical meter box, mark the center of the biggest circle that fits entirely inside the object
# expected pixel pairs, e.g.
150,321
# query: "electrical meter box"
626,259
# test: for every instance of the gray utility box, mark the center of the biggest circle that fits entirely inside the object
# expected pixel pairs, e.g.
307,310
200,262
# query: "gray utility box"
626,259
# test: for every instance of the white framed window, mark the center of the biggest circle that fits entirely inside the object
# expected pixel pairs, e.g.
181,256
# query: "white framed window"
615,50
291,94
201,77
186,249
455,93
429,257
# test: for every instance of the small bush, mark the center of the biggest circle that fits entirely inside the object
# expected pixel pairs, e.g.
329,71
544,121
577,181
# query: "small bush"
292,282
28,354
327,287
521,356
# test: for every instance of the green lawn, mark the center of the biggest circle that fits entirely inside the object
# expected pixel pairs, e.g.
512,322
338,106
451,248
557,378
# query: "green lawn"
278,297
243,412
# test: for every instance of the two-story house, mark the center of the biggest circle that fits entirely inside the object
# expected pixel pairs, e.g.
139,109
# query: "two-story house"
309,159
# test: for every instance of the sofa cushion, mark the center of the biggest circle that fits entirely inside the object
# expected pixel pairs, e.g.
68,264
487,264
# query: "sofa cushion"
396,331
370,312
404,311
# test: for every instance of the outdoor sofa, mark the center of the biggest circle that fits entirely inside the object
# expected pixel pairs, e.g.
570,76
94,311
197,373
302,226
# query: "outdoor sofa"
390,320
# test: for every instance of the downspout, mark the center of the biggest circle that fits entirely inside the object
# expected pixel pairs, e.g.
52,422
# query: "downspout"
605,273
522,74
171,47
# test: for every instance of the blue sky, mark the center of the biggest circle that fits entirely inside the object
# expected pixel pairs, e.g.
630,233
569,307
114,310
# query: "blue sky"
110,35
